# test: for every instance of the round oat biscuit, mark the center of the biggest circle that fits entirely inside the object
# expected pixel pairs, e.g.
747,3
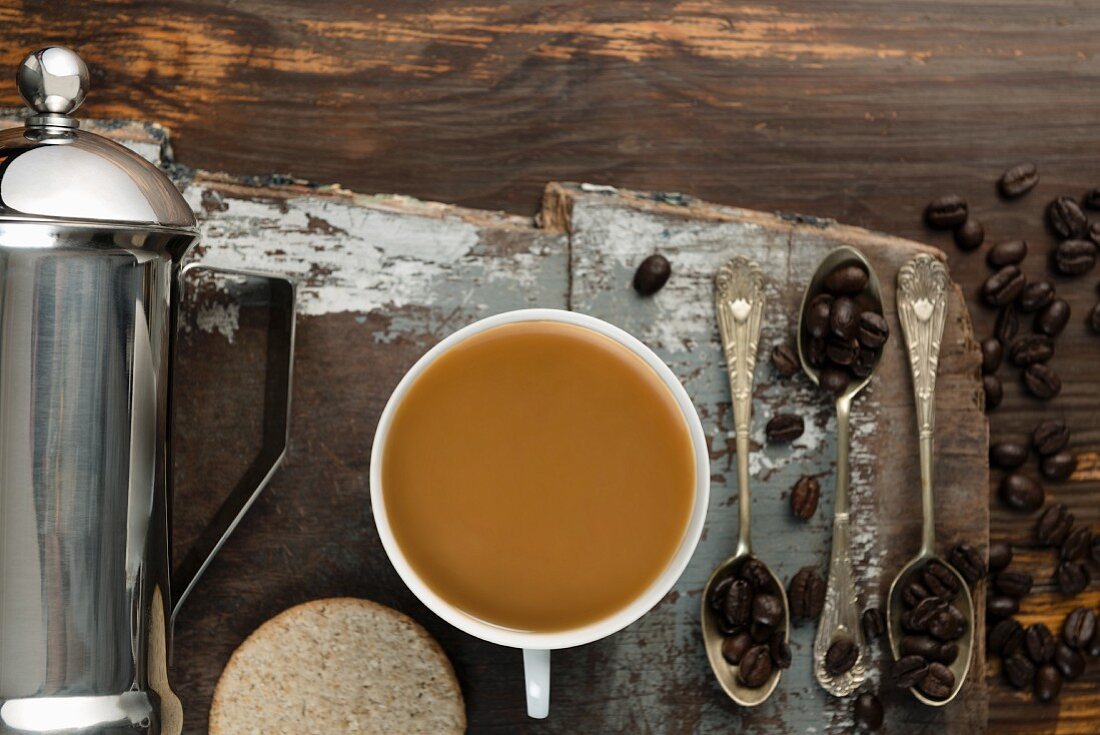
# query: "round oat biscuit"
338,665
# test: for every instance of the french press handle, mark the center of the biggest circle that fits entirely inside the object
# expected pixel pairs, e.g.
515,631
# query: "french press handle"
281,296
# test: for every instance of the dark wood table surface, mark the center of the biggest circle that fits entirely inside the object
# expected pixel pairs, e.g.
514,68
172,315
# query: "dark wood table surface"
859,111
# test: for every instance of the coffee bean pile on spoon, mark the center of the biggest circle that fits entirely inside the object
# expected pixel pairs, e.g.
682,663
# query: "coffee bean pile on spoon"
750,617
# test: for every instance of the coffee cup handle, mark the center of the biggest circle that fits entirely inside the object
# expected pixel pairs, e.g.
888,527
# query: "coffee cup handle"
536,674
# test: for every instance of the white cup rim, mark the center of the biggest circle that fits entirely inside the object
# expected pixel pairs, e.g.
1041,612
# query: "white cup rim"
601,628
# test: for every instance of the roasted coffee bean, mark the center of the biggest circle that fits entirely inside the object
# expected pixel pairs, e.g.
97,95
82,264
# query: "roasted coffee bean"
1036,295
864,363
1006,637
841,656
847,280
756,573
760,633
940,580
1077,544
1079,627
913,593
734,647
842,351
806,594
970,234
1048,683
1068,661
925,611
804,497
1001,606
784,427
767,609
1019,671
1039,643
1013,584
874,624
817,315
1053,319
1000,556
1054,524
1094,319
1059,466
844,318
1018,180
785,360
738,605
1066,219
908,670
1049,437
816,355
1002,288
1008,323
1042,381
867,712
1094,232
725,627
969,562
949,624
1075,257
1093,647
946,213
1072,578
1008,455
834,381
992,354
924,646
780,650
1021,493
994,391
756,667
873,330
652,275
938,682
1091,200
1031,349
1010,252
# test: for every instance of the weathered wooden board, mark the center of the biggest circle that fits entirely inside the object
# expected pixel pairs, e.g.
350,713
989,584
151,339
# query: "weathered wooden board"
385,277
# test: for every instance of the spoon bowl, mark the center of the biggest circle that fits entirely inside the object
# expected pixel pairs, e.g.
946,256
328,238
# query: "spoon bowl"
912,572
725,672
840,615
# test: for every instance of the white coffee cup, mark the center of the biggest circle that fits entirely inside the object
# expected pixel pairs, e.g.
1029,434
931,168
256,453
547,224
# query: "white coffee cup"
537,646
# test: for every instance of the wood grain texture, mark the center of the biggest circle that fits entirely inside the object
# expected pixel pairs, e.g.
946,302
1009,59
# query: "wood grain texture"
855,109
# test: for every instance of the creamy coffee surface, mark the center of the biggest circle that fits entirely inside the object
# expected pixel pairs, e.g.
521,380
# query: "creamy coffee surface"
538,476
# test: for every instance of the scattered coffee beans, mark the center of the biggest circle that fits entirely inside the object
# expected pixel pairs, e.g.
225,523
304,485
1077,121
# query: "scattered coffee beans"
1091,200
1042,381
992,354
994,391
785,360
1050,437
867,711
1019,671
1048,683
1006,637
1075,257
1021,493
1052,319
1018,180
784,428
1008,455
874,624
1004,286
1066,219
1072,578
1079,628
1031,349
1035,296
780,650
1010,252
1054,525
652,275
804,497
1077,544
1001,606
1007,325
1000,556
970,234
946,213
1039,643
806,594
1069,661
1013,584
1059,466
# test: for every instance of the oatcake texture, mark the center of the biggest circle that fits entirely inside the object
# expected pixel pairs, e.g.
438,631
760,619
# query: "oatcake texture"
338,665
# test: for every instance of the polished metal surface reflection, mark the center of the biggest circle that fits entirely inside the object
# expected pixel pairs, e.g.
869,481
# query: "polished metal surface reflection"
91,239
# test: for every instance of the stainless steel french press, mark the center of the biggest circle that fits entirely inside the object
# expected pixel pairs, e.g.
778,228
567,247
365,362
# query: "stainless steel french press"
91,242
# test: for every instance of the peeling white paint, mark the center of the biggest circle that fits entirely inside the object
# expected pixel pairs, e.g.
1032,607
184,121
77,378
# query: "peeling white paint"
221,318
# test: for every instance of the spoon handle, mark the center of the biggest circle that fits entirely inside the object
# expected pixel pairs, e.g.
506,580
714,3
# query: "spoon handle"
922,309
739,300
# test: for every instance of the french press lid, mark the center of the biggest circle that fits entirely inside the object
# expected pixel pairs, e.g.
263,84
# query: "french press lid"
51,171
